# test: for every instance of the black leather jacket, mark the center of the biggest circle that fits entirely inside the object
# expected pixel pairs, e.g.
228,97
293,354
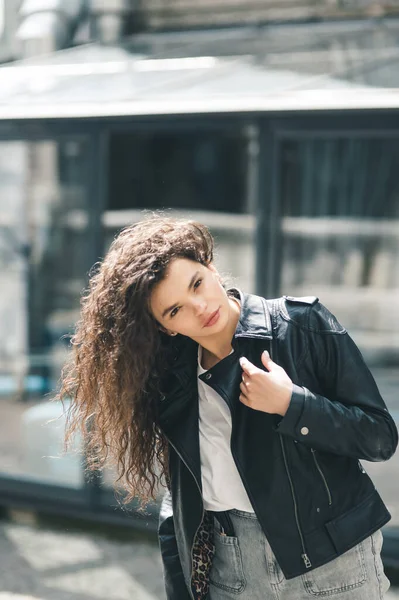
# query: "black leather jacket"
301,472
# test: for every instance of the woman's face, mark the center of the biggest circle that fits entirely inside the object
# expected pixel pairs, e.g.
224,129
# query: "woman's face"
190,300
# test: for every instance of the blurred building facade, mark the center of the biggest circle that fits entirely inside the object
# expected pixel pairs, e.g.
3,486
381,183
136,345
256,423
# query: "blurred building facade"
264,120
30,27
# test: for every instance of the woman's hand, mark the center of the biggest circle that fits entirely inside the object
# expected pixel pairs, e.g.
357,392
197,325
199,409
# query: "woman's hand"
269,391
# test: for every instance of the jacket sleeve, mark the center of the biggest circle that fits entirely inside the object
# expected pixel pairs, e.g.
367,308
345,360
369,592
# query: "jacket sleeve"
175,585
349,417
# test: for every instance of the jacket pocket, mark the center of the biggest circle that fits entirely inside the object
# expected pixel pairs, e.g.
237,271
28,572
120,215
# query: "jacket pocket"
324,480
358,523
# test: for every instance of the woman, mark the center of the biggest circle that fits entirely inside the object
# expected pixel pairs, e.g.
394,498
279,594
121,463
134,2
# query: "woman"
254,412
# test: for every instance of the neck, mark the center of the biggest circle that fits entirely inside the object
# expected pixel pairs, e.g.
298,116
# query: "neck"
215,349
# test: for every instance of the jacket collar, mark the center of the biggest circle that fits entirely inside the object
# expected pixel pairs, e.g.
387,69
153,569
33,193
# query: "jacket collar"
255,319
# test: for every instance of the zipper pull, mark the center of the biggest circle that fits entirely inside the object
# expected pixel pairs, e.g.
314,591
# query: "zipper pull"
306,560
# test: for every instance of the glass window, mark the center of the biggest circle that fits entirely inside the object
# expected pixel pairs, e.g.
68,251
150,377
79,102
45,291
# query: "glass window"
340,205
200,174
44,258
202,170
340,222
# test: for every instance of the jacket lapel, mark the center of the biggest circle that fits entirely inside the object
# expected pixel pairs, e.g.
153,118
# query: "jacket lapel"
179,409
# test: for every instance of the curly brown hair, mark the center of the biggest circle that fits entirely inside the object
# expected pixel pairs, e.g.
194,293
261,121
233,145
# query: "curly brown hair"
119,355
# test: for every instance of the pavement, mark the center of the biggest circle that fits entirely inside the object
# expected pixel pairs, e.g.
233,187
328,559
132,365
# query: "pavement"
39,562
45,563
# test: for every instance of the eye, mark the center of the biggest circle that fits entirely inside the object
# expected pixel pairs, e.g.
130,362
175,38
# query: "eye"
197,283
174,312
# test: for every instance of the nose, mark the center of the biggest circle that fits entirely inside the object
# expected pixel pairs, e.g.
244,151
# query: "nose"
199,306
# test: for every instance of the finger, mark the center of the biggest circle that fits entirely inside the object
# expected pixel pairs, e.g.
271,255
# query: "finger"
244,399
247,382
243,388
267,361
247,366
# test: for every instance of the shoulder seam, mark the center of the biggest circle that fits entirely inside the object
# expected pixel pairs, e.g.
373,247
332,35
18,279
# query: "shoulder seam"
307,326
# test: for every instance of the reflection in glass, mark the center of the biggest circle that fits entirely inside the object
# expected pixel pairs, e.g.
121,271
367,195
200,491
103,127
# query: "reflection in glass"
202,175
43,262
340,208
190,169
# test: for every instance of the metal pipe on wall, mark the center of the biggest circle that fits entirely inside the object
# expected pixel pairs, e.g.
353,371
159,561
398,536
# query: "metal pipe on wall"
108,18
46,25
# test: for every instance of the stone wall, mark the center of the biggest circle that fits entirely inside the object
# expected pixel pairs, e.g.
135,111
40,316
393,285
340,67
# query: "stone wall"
182,13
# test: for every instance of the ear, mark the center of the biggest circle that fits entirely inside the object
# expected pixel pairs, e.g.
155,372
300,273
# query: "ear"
166,332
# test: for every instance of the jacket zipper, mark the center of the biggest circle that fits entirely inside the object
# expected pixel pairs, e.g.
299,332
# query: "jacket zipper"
251,498
304,555
203,513
322,476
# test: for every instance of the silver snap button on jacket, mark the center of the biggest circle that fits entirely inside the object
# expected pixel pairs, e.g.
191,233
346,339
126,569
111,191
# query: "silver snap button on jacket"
304,431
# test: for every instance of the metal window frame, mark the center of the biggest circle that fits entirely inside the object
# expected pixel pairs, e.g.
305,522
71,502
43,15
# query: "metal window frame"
93,500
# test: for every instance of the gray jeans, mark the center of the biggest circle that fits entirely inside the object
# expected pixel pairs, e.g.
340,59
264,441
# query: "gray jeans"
245,568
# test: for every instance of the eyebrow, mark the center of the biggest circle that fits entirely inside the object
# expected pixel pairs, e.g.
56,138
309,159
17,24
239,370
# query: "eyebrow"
190,285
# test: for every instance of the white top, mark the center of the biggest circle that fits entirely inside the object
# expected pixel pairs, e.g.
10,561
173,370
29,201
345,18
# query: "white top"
222,488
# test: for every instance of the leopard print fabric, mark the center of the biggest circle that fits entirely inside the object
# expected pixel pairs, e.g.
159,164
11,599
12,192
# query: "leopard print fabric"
203,552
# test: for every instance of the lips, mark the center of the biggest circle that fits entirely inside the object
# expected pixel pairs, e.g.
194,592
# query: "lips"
212,318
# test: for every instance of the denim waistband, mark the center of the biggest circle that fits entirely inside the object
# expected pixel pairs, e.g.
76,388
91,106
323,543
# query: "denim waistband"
242,513
225,521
